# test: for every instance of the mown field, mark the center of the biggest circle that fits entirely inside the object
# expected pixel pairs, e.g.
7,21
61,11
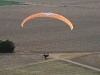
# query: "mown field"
23,64
51,35
49,68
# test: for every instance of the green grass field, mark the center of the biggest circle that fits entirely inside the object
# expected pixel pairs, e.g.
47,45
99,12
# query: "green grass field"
49,68
5,2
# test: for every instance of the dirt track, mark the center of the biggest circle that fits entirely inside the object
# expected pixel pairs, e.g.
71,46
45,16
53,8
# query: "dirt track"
31,59
74,62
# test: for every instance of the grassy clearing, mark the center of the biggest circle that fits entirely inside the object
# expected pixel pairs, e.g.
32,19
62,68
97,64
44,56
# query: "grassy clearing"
5,3
50,68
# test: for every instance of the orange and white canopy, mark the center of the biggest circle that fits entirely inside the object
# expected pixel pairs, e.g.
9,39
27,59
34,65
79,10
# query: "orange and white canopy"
49,15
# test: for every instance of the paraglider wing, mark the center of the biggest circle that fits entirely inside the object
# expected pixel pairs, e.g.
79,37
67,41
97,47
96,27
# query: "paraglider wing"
59,17
32,16
50,15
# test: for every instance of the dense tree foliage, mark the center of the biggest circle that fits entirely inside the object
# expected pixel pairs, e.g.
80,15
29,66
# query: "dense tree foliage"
7,46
